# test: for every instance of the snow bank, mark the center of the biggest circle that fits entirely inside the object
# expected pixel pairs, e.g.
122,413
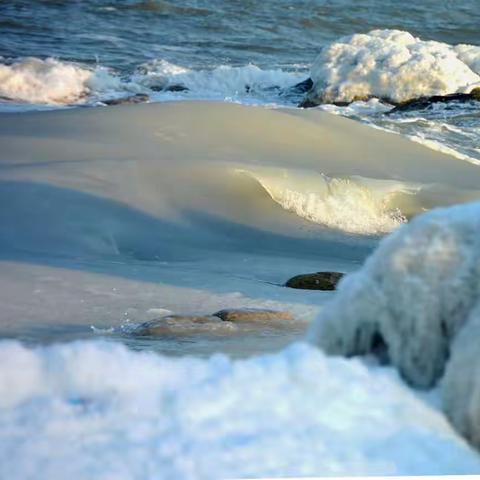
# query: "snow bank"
51,81
393,65
414,293
97,410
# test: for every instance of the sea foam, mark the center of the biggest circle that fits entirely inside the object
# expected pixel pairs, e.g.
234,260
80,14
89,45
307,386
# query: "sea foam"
52,81
392,65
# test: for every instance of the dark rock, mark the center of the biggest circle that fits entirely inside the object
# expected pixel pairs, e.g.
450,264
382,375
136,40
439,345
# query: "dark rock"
176,87
138,98
425,102
252,315
315,281
307,103
184,325
302,87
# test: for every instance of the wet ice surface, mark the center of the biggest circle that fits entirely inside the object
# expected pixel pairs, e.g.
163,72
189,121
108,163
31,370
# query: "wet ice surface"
44,304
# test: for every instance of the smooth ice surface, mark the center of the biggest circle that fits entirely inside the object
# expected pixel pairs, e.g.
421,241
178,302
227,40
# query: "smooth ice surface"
96,410
393,65
141,207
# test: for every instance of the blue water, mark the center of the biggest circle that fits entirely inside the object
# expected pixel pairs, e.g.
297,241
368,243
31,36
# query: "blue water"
208,33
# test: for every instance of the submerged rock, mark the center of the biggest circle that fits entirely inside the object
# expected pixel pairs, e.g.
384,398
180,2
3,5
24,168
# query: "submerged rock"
184,325
251,315
137,98
315,281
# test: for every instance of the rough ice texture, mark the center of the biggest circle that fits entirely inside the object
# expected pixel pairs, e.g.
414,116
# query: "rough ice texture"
415,293
392,65
461,385
97,410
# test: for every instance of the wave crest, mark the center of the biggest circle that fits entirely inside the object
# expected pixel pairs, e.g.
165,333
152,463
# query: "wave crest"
351,204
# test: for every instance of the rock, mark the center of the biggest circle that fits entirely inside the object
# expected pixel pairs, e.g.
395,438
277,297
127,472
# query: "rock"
315,281
251,315
184,325
138,98
176,87
301,87
425,102
475,94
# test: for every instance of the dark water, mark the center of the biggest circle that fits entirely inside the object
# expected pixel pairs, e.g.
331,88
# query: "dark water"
207,33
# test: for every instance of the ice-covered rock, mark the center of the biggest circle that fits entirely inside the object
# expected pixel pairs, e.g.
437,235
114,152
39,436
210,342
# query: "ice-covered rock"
392,65
461,384
412,296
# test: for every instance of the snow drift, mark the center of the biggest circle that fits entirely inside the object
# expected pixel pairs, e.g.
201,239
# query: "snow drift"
97,410
392,65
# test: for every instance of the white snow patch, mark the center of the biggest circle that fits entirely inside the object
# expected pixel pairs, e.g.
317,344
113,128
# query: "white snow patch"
97,410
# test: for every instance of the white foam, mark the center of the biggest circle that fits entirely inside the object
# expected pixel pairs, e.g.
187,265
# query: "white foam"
96,410
393,65
352,204
51,81
224,82
56,82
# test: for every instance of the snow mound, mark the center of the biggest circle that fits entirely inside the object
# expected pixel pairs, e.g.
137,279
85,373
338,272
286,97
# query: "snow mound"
392,65
97,410
413,295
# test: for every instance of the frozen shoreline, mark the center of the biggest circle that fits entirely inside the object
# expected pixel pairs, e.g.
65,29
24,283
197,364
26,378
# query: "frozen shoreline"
109,215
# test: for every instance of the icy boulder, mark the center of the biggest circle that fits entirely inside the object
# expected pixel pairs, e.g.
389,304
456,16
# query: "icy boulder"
392,65
411,298
461,385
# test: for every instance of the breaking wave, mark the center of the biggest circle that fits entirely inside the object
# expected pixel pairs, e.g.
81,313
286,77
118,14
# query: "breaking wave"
55,82
351,204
